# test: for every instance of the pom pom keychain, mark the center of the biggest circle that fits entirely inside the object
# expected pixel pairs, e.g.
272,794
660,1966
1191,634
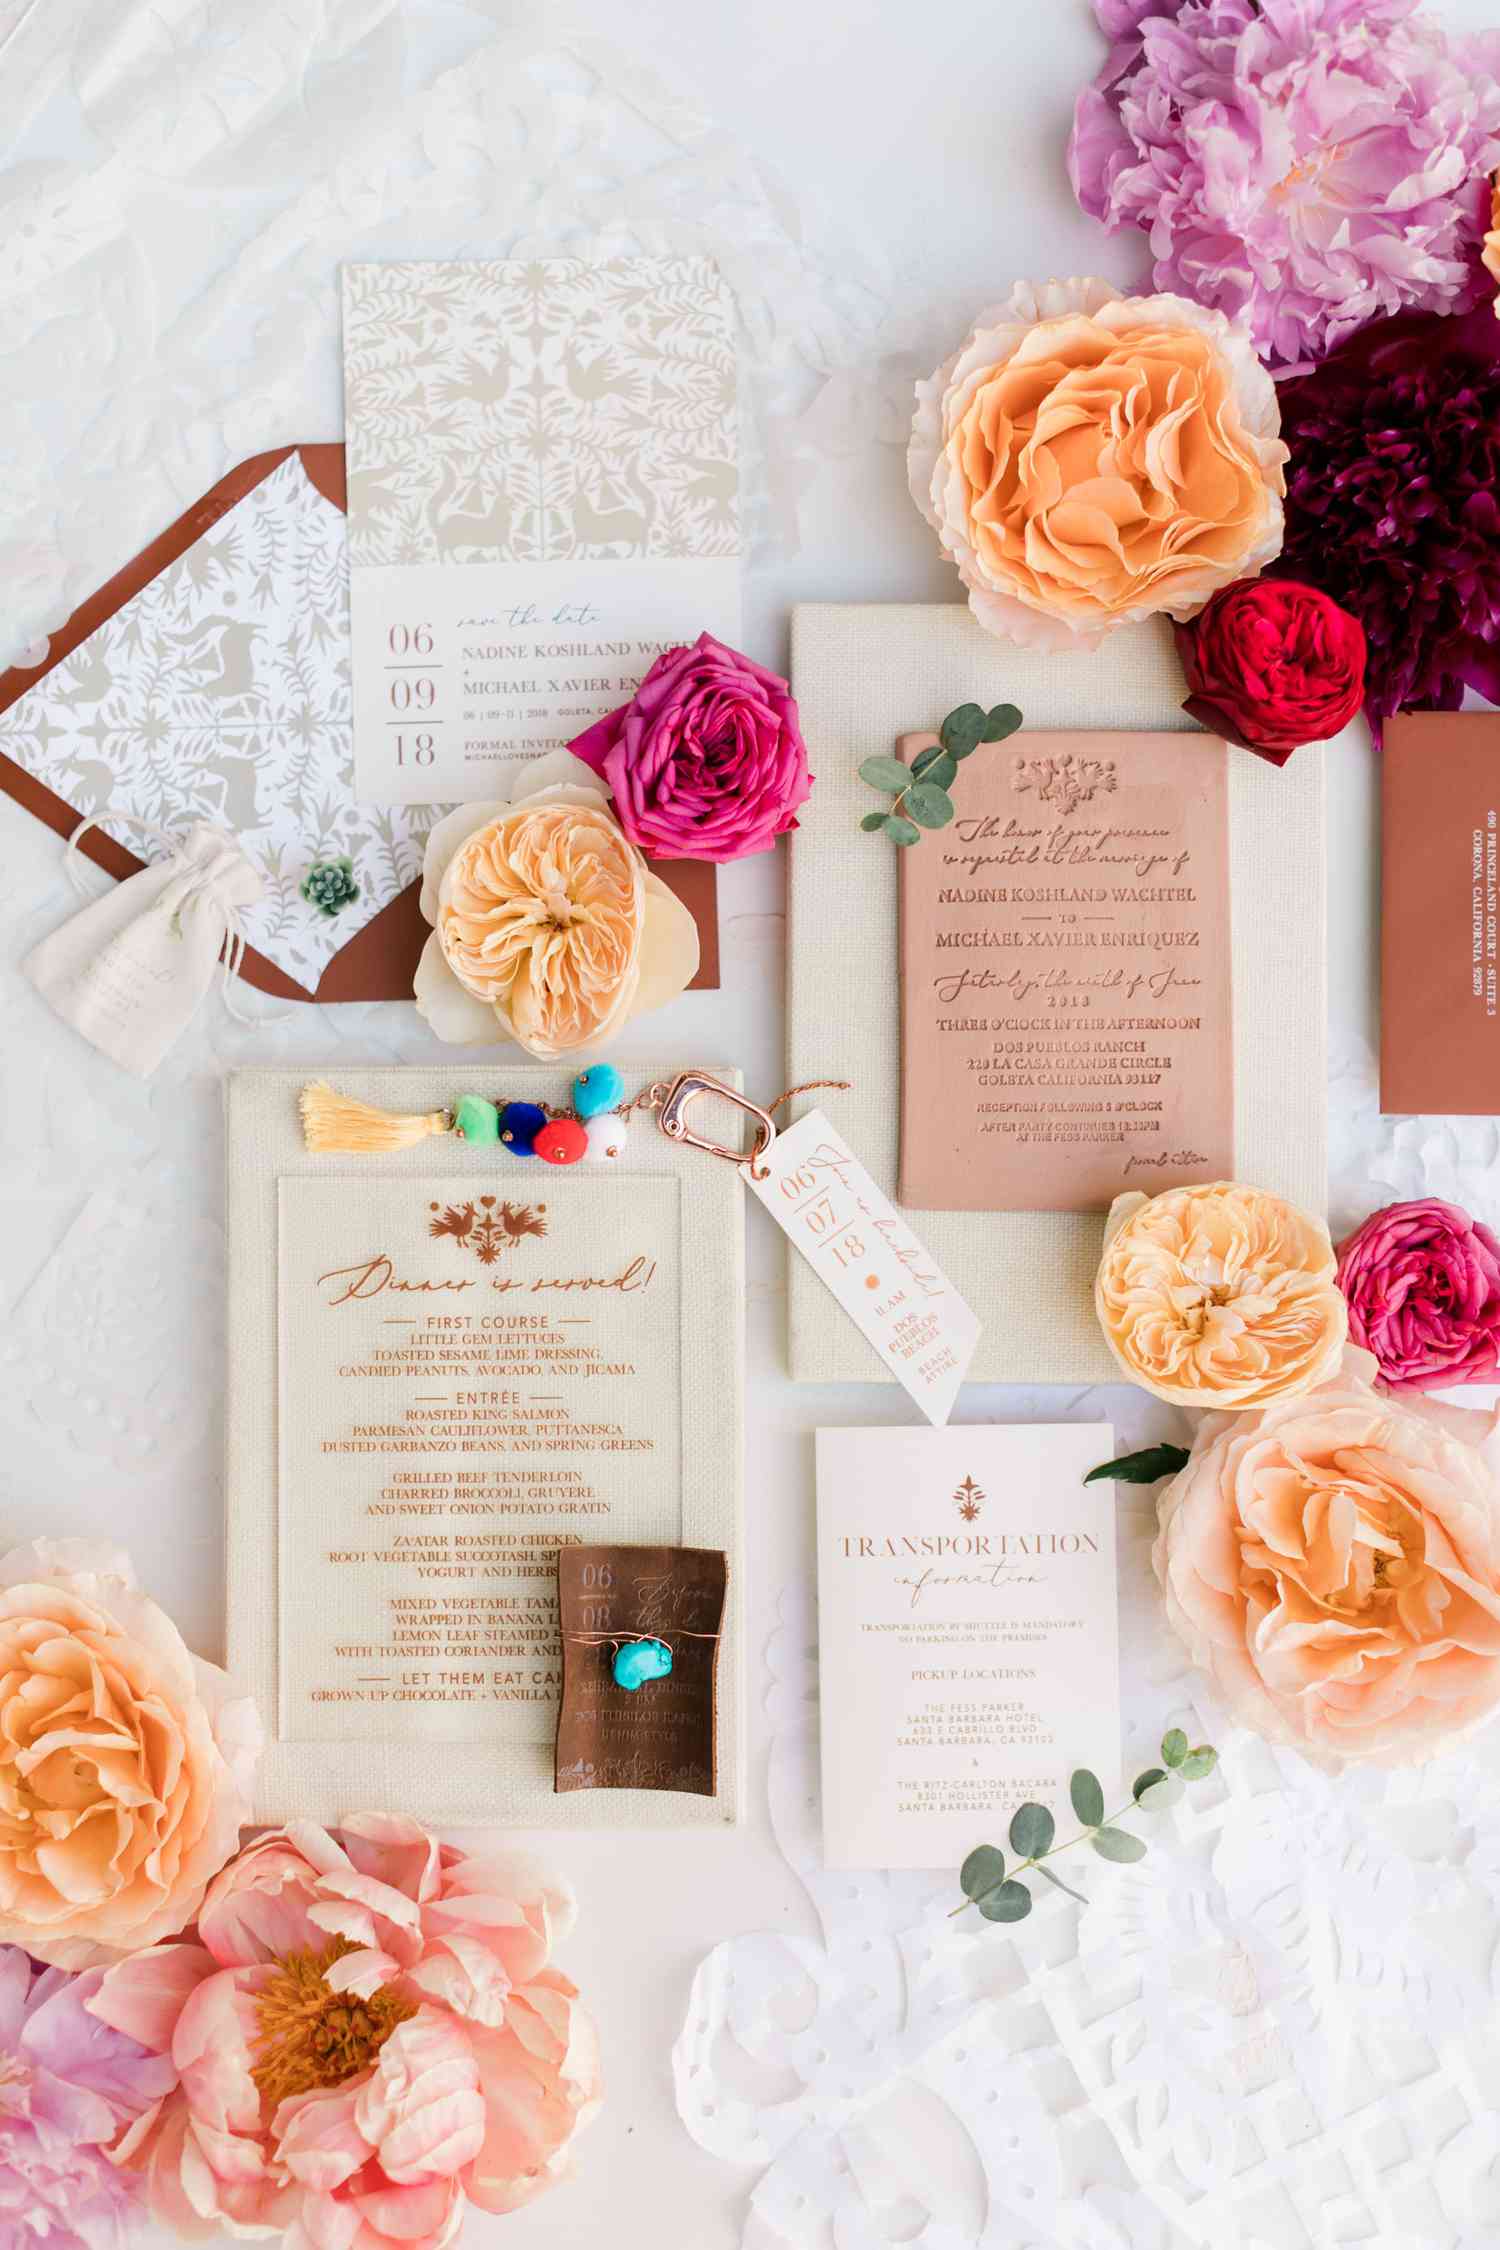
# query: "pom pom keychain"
594,1128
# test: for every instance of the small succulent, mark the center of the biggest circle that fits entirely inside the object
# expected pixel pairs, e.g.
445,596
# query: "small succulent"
329,885
1001,1896
919,792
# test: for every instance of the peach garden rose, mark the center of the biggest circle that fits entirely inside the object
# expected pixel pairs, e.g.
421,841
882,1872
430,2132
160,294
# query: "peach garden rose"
548,926
1333,1563
1219,1295
125,1761
1089,459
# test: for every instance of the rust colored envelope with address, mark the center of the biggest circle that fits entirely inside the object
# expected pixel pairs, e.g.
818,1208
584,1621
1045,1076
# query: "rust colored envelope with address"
1066,1026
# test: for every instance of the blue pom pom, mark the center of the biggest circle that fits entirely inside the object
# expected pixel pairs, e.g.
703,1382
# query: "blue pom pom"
597,1089
520,1122
639,1661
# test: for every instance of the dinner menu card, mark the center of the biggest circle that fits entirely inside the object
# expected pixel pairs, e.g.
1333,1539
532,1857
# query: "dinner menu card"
1066,1028
543,495
451,1366
967,1630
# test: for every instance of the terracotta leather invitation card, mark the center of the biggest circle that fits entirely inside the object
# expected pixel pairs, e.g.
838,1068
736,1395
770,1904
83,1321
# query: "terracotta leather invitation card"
1066,1027
1439,894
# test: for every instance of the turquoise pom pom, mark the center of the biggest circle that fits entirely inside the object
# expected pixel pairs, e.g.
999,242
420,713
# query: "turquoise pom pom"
640,1661
597,1089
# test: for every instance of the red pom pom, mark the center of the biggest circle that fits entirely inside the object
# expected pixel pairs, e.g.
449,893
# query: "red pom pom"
561,1141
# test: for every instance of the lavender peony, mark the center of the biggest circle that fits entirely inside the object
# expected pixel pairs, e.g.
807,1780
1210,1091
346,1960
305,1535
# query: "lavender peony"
1392,503
1303,165
70,2088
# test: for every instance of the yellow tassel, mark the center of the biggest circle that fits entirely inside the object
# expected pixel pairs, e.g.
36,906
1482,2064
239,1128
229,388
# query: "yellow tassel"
332,1125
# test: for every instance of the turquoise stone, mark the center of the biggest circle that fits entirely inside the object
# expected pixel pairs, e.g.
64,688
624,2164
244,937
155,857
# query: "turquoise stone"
520,1122
640,1661
597,1089
476,1119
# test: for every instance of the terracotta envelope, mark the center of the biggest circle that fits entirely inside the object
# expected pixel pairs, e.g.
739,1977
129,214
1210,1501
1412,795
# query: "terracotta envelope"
209,680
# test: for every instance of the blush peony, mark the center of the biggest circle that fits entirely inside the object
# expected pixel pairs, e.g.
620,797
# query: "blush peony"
1333,1563
125,1761
548,926
368,2036
1422,1281
1089,459
1219,1296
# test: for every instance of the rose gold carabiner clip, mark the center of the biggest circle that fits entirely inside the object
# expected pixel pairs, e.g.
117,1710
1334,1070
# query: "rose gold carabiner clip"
685,1089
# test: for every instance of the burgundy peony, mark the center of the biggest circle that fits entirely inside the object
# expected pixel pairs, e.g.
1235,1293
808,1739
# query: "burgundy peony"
707,760
1272,664
1393,503
1423,1286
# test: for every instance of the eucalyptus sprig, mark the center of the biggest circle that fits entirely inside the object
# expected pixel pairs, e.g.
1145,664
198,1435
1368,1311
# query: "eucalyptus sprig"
919,792
1003,1897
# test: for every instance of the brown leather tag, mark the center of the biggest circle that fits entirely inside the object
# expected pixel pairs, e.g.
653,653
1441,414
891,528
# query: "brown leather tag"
660,1735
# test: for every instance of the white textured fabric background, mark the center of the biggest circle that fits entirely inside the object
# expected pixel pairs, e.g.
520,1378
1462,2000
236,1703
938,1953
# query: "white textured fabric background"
1292,2044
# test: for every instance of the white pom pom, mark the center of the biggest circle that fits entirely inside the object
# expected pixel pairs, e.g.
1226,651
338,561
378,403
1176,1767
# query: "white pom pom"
607,1138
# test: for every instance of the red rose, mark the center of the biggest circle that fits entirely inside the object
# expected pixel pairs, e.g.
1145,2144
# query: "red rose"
1271,664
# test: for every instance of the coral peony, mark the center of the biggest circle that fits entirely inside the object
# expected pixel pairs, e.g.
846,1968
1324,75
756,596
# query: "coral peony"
1271,664
368,2037
1422,1281
71,2090
548,926
1333,1562
1219,1296
1089,459
707,759
1304,165
125,1761
1392,504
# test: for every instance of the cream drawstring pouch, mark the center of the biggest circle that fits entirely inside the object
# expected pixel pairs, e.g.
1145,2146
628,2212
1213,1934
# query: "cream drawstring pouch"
130,970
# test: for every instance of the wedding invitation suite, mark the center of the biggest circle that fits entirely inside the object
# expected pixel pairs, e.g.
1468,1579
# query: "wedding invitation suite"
543,495
451,1364
1440,914
967,1630
864,675
1065,976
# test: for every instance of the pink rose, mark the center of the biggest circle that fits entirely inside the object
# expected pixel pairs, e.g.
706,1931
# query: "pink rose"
1333,1563
369,2037
1423,1285
707,760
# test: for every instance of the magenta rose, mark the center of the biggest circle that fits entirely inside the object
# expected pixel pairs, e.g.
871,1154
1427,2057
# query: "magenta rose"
707,760
1423,1286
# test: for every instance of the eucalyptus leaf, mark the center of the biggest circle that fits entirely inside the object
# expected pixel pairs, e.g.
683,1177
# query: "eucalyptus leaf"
901,831
1087,1797
1032,1829
963,730
1161,1793
983,1870
1011,1903
872,821
885,773
1004,720
1059,1885
1199,1762
1117,1844
1145,1781
1174,1748
1145,1467
929,804
937,765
